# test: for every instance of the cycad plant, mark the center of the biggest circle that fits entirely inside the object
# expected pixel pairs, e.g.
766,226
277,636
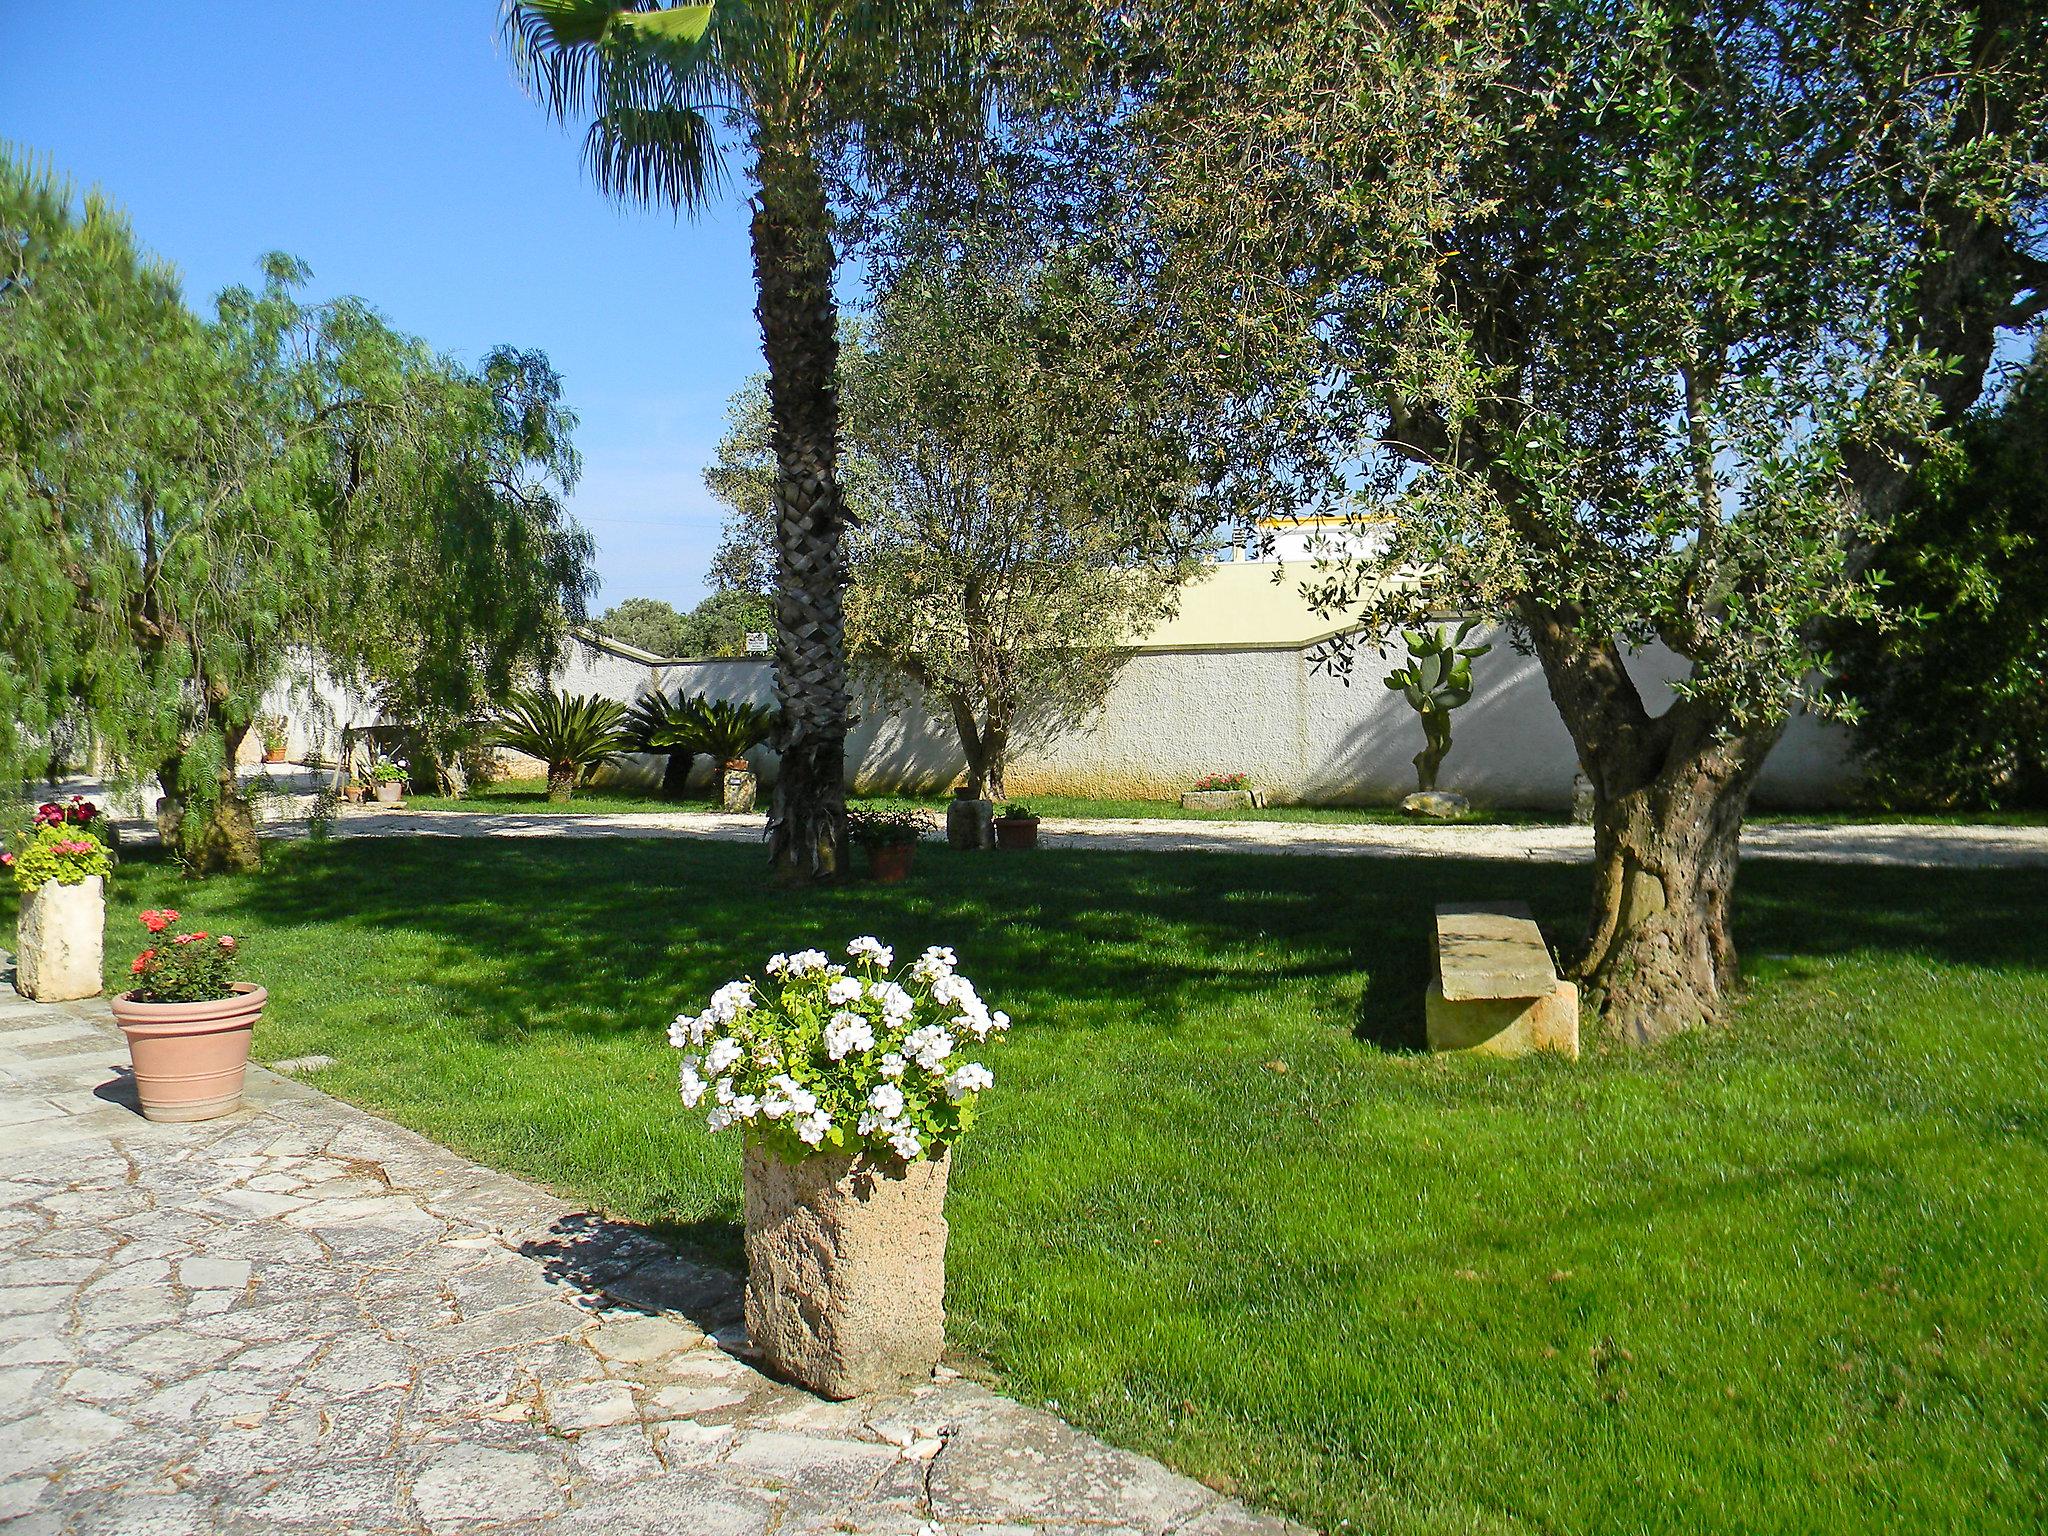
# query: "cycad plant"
571,734
667,723
672,92
728,730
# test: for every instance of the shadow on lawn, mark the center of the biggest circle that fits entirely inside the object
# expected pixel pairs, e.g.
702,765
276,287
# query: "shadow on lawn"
611,937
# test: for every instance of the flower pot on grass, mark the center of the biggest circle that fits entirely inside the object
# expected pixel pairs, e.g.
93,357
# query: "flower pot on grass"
1016,828
847,1132
390,792
970,821
188,1023
60,867
890,839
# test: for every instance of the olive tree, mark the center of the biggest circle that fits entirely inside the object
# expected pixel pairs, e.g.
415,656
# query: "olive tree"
1024,506
1637,318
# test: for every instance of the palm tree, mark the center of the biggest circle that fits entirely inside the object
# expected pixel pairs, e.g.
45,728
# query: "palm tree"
570,734
673,91
727,731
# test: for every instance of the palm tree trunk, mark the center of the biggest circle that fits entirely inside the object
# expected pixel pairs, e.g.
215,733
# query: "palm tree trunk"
793,267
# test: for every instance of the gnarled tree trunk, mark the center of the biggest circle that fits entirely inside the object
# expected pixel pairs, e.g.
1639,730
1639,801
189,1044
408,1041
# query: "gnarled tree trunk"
1669,795
561,782
986,747
793,265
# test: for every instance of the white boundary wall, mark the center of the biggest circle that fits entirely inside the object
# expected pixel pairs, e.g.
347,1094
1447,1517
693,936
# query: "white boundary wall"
1175,715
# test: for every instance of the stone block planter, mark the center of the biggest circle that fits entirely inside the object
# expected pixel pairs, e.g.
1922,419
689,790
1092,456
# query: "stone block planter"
846,1268
190,1058
1223,799
391,792
739,786
60,939
970,824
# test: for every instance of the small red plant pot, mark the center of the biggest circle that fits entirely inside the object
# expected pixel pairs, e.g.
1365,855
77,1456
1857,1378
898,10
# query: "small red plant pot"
190,1058
889,864
1016,832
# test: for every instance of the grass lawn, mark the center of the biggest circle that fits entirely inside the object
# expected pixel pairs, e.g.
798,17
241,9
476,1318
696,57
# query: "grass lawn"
525,795
1785,1277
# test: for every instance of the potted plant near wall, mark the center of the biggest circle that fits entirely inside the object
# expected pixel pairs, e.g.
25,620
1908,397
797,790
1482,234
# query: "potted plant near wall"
850,1083
387,779
188,1021
1223,792
890,839
276,738
60,867
728,730
1016,827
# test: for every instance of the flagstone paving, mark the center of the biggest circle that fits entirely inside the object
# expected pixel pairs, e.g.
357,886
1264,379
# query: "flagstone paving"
301,1318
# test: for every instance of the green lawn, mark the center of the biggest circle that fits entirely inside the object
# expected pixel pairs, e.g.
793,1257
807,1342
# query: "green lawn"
525,795
1785,1277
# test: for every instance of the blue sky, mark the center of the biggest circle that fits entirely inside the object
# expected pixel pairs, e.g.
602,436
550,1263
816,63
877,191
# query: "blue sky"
392,149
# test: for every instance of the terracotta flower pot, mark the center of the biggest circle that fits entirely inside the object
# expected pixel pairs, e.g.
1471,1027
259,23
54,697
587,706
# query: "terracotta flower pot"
846,1268
190,1057
889,864
1016,832
273,754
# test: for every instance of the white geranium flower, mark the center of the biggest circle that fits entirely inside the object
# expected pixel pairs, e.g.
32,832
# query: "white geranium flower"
873,950
935,962
745,1106
719,1118
844,990
953,988
891,1065
897,1004
805,961
693,1086
870,1122
787,1096
812,1127
969,1077
724,1055
847,1034
777,964
886,1099
929,1046
904,1140
727,1004
679,1032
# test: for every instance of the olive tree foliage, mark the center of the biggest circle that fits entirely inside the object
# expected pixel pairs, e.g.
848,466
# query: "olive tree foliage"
1023,506
191,508
1637,317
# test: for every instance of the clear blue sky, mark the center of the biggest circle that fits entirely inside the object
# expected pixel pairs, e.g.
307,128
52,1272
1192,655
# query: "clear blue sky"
392,148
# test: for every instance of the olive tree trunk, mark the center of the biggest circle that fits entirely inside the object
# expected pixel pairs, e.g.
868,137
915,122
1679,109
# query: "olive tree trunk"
793,267
986,746
1670,793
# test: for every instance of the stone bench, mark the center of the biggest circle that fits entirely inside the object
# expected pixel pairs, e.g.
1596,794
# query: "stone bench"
1496,989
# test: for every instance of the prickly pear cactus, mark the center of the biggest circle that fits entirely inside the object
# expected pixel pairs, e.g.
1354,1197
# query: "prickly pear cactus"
1437,680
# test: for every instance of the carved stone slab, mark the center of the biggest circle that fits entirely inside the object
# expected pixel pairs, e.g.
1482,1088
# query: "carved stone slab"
1491,949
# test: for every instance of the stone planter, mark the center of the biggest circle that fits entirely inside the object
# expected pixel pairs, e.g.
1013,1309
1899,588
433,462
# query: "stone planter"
889,863
846,1268
1016,831
1222,799
970,824
190,1058
739,786
391,792
1438,804
58,941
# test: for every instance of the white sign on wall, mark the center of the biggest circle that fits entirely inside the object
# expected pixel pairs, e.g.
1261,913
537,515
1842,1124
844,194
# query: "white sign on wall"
757,642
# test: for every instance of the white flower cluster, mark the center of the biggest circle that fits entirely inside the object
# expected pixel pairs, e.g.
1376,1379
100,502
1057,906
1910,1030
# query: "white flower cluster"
831,1057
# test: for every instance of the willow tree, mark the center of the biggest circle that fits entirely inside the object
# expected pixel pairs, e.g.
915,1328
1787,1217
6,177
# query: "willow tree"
1638,317
194,508
801,93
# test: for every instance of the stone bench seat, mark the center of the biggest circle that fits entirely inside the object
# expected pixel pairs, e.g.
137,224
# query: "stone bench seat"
1496,989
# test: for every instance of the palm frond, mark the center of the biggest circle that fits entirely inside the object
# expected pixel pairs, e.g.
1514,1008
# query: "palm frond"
563,731
656,154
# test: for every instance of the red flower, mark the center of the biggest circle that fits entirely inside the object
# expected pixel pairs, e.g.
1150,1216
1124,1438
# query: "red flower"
142,962
227,942
199,935
6,858
157,922
185,938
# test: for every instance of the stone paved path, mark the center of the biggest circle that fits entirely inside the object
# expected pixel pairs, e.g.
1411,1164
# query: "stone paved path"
301,1318
1892,844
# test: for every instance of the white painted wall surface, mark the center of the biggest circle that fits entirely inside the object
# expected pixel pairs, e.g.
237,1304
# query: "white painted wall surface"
1304,734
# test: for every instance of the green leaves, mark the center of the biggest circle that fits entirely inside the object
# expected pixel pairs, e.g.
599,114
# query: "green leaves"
565,731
